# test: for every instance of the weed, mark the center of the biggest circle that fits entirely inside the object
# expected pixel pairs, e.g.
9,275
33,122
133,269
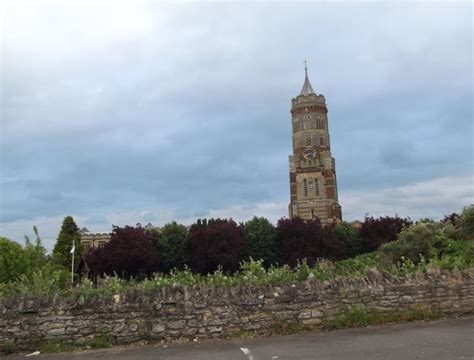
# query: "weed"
7,349
359,316
55,347
103,340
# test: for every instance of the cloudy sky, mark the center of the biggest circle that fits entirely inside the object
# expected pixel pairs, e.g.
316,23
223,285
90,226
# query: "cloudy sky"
151,112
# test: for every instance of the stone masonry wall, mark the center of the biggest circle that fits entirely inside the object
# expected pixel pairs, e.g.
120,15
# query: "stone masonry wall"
203,312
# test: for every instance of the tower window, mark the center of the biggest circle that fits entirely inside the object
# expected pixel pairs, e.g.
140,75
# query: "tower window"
316,186
321,141
305,188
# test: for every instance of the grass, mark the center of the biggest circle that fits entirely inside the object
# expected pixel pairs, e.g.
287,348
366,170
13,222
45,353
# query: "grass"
7,349
359,316
103,340
55,347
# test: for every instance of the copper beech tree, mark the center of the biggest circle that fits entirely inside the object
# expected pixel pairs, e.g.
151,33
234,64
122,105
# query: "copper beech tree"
300,239
130,253
214,243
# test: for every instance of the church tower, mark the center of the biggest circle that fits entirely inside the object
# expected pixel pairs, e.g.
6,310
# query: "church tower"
313,186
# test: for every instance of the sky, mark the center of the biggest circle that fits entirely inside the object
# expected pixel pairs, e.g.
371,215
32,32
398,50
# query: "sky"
123,112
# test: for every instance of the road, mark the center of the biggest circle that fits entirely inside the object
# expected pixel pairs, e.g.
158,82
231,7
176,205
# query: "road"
443,340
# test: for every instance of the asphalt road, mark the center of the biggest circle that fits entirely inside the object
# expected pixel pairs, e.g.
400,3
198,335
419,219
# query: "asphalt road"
443,340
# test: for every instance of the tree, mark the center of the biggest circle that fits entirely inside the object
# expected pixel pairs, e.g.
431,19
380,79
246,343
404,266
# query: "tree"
172,245
375,232
299,239
215,243
12,260
16,260
129,253
350,239
260,241
68,235
466,224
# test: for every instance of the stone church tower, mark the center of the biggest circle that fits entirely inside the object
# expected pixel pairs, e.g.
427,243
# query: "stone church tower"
313,186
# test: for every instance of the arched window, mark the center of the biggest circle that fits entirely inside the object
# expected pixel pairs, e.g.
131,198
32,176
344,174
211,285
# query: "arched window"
321,141
305,187
316,186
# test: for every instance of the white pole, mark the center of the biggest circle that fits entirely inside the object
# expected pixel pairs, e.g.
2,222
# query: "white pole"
73,249
72,270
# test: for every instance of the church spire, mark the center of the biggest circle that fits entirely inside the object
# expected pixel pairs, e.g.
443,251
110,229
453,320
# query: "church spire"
307,88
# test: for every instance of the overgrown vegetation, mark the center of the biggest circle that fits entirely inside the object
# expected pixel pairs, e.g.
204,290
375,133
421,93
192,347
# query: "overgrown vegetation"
221,253
103,340
359,316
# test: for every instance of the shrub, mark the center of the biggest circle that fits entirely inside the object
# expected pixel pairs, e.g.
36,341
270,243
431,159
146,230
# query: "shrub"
376,232
12,263
172,245
429,240
16,260
35,253
260,241
299,239
412,242
44,282
350,239
129,253
215,243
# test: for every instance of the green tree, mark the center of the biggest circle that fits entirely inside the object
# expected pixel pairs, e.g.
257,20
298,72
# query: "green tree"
172,246
62,250
12,263
260,237
350,238
467,223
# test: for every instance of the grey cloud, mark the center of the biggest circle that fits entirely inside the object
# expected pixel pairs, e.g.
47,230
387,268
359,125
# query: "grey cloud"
195,115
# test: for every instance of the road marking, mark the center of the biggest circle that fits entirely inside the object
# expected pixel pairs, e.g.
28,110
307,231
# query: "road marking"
247,352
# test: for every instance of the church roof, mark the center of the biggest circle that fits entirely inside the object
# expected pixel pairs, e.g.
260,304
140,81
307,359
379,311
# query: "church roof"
307,88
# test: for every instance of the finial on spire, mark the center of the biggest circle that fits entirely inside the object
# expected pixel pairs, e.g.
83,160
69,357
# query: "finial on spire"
307,88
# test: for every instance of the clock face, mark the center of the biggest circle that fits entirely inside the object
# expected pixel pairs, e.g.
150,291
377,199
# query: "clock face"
309,153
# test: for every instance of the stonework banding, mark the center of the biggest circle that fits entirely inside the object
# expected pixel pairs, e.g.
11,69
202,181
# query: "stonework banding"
202,312
313,185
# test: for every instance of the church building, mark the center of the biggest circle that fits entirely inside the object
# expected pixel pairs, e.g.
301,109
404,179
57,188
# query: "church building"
313,185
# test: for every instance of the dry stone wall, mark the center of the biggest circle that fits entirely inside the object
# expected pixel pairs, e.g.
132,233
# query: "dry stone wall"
203,312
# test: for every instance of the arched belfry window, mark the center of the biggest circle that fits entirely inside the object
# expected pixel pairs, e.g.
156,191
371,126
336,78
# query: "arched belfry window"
316,186
305,188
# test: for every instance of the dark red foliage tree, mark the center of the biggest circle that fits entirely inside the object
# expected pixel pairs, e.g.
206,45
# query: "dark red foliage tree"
299,239
215,242
454,219
375,232
129,253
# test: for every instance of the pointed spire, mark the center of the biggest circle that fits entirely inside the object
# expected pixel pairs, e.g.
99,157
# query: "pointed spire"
307,88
